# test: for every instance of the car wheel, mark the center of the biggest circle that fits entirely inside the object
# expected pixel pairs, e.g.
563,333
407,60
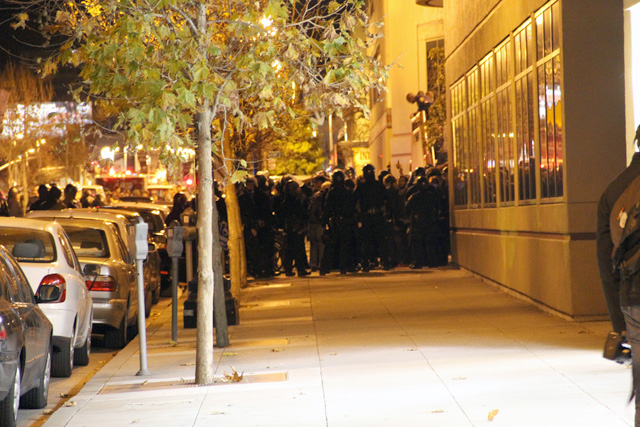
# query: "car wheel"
9,406
63,360
81,356
117,338
37,397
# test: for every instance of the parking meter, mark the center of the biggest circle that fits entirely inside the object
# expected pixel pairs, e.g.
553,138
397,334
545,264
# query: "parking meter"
175,235
141,239
140,234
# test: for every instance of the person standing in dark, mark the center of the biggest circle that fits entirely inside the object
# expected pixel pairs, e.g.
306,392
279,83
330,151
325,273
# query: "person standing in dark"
438,180
97,201
53,200
179,205
249,218
370,196
70,192
402,223
84,200
43,192
292,218
353,232
264,220
15,207
393,209
622,293
338,217
314,233
423,208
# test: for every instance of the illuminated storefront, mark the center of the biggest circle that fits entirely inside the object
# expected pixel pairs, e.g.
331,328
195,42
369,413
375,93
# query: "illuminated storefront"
536,108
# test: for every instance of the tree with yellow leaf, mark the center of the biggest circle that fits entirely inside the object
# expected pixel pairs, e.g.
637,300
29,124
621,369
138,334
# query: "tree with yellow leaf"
179,69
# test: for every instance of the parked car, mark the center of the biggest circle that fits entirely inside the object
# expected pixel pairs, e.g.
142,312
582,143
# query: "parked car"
154,215
151,268
110,276
123,220
25,341
46,256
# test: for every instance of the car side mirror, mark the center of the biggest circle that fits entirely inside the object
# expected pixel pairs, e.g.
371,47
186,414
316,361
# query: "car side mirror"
47,293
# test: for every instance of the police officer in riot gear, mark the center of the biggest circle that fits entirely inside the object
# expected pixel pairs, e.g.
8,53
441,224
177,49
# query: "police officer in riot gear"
339,217
370,196
423,208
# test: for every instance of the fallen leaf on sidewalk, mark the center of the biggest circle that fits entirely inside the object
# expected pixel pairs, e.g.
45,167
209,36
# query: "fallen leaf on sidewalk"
412,349
437,411
234,377
188,364
135,421
48,412
492,414
64,395
459,378
217,413
70,403
228,353
173,343
277,350
333,354
144,382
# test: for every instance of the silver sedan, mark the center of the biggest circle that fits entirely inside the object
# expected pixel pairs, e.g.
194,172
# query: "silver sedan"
110,276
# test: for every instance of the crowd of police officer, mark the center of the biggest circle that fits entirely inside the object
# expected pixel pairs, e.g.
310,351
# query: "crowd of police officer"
351,223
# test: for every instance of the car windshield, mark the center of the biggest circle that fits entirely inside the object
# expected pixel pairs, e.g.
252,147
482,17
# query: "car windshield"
88,242
28,245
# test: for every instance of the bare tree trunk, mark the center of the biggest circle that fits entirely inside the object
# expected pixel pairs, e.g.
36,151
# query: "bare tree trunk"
204,344
235,238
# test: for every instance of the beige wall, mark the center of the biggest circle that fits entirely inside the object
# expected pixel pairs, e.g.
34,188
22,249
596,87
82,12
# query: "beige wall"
407,27
546,251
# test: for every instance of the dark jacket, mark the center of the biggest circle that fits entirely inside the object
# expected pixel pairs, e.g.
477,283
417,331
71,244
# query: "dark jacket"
617,293
423,208
339,206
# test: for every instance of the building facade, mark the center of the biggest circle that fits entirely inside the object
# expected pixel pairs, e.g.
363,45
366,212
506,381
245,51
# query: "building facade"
409,31
536,130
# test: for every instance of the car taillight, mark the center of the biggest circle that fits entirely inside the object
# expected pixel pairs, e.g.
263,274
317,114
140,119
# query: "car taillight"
58,281
101,283
3,332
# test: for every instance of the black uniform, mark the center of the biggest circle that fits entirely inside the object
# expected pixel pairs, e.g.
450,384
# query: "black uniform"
424,208
370,196
339,216
292,217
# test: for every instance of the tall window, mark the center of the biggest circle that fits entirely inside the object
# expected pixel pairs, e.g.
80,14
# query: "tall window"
474,138
433,65
506,158
524,114
497,159
550,100
459,106
487,110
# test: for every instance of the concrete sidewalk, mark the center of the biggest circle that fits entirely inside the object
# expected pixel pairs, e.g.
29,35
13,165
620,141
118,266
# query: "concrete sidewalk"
400,348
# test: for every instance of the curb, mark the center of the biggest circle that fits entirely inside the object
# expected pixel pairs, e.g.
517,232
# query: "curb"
64,414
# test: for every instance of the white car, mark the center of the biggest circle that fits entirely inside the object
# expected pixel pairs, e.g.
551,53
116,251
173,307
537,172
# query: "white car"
46,256
124,223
